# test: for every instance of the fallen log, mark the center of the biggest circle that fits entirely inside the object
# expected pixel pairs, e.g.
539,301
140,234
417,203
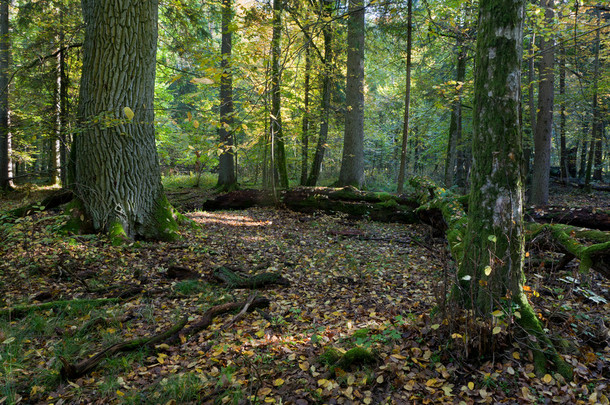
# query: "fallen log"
171,335
587,217
383,207
54,200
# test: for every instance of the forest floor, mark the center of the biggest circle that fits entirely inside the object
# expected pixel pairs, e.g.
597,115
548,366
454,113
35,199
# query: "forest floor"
353,283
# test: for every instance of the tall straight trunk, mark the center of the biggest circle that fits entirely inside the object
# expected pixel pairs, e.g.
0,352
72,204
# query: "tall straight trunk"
584,137
455,126
352,162
316,166
5,182
544,122
491,269
563,152
276,113
405,126
64,140
117,179
531,101
590,156
597,137
306,112
227,178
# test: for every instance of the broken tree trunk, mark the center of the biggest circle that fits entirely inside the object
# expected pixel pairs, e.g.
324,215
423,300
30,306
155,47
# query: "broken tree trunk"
54,200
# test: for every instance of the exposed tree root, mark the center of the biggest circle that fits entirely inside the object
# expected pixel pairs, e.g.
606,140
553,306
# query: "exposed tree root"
171,335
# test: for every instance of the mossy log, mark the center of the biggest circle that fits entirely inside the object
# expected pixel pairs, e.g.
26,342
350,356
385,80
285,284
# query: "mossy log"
234,280
383,207
53,200
569,240
171,335
586,217
353,357
22,310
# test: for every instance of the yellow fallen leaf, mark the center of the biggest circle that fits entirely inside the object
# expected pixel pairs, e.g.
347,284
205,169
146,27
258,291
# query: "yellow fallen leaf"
128,113
322,382
510,370
435,326
351,379
470,385
304,366
380,379
278,382
264,391
431,382
120,393
547,378
516,355
496,330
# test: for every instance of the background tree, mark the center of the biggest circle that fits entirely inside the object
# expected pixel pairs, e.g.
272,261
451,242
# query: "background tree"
115,164
352,163
491,272
405,128
544,120
226,162
4,107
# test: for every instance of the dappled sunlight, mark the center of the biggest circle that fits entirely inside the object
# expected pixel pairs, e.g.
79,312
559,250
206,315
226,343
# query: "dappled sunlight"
224,218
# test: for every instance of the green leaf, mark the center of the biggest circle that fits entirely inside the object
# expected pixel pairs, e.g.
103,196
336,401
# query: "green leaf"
128,113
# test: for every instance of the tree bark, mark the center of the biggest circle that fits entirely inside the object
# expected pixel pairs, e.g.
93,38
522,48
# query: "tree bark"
316,166
596,134
352,162
563,151
227,178
116,170
306,112
405,127
452,163
5,182
276,113
491,268
539,194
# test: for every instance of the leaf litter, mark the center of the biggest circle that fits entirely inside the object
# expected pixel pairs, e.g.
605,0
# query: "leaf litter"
353,284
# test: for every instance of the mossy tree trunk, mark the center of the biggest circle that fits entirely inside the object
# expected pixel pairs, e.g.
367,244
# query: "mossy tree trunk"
226,161
490,275
352,162
116,175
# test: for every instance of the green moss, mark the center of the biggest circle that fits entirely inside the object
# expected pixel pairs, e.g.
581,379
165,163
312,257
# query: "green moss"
330,356
354,356
116,233
164,224
391,203
78,221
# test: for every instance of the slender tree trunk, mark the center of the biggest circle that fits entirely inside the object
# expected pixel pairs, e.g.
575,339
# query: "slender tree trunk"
527,148
5,182
597,122
316,166
492,266
227,178
276,114
116,170
405,128
306,116
563,152
455,127
352,162
583,149
544,123
64,140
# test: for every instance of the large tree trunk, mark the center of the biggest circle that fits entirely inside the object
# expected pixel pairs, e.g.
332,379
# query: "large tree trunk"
352,163
316,166
563,150
226,162
116,170
4,108
539,194
405,128
276,115
491,268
